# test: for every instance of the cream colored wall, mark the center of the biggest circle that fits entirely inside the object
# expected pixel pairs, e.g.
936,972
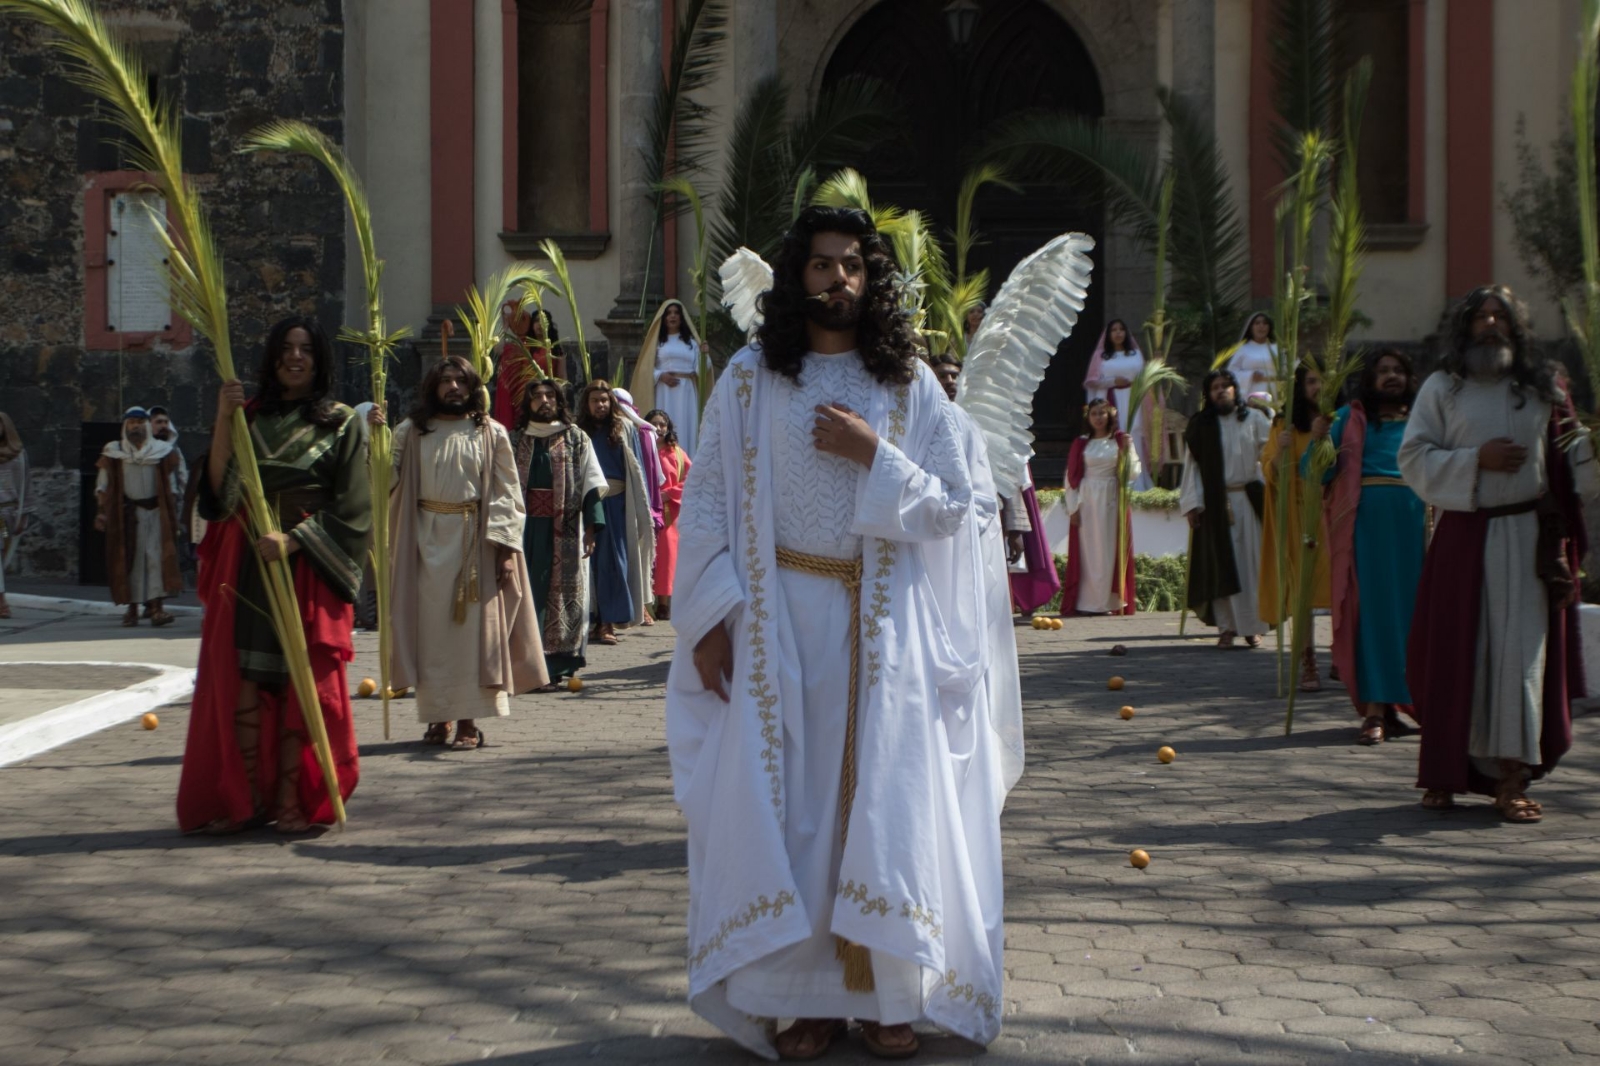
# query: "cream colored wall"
488,111
390,149
1535,49
1233,98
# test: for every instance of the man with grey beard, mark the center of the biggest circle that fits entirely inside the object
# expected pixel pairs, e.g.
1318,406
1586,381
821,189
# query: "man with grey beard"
1493,445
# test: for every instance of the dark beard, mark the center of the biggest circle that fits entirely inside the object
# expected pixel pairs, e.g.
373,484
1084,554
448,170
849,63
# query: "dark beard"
830,317
1225,407
454,407
137,437
1489,360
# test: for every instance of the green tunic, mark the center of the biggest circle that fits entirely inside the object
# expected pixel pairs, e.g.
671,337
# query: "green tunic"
316,477
539,547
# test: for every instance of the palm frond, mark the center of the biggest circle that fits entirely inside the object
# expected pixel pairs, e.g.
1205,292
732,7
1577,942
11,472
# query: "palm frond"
850,116
847,188
1304,56
1346,235
1583,315
751,205
1210,262
1062,147
558,263
485,326
965,237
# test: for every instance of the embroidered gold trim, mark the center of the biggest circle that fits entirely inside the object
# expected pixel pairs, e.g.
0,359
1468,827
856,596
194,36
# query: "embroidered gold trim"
752,912
982,1000
861,894
911,911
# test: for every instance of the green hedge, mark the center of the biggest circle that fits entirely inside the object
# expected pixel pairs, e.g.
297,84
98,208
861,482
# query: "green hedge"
1148,500
1157,583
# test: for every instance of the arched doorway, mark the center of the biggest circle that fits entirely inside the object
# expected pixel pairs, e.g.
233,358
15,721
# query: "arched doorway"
1021,55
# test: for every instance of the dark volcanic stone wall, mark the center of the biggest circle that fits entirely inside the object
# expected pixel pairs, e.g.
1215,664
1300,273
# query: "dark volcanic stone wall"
232,64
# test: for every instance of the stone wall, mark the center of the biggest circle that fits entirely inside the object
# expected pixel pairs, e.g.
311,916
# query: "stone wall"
279,223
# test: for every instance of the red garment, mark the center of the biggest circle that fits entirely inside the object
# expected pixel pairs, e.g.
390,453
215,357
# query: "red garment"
213,783
514,365
1036,587
1444,644
1069,587
1340,507
675,468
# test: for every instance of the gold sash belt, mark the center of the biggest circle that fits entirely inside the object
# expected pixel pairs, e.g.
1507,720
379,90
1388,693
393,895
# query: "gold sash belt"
467,578
857,959
616,486
1381,480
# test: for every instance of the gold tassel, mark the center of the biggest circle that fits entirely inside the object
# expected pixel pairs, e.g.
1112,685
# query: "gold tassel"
857,965
461,603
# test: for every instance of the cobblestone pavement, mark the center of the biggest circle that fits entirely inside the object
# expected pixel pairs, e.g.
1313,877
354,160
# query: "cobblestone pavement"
524,903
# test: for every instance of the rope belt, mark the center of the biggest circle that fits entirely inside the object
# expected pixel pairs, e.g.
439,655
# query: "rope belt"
615,486
467,578
857,959
1367,482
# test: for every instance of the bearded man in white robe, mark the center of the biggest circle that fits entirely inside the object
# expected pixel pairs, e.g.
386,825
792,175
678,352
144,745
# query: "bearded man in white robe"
831,742
1221,496
1495,654
138,513
461,616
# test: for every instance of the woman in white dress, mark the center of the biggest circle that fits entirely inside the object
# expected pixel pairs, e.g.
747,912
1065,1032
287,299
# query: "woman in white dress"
1117,360
1255,360
667,370
1092,585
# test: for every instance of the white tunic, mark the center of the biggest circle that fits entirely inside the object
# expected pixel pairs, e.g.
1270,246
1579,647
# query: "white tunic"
1241,457
1095,502
141,481
1450,421
448,656
1256,367
680,401
1127,365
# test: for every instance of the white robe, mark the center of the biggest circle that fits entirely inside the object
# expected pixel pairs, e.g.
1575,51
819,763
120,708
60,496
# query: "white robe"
1256,367
141,480
1450,421
1241,457
919,882
1095,502
448,655
680,401
1127,365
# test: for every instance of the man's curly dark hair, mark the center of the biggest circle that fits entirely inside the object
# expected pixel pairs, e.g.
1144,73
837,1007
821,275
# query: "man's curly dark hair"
1529,373
885,339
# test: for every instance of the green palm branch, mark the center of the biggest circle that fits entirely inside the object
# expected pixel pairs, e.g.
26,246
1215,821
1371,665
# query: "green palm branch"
103,66
1154,380
558,263
1303,62
481,317
297,138
1583,314
966,238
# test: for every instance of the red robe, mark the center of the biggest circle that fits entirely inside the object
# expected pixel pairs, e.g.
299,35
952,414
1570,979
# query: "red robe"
1444,643
675,468
213,784
1069,587
514,365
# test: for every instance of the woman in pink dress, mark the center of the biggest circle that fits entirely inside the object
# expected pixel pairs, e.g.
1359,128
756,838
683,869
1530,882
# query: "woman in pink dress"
674,469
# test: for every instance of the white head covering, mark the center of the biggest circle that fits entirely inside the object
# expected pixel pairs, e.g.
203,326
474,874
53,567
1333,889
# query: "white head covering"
630,410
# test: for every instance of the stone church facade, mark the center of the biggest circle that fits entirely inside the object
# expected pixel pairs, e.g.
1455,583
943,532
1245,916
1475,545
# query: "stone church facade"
484,126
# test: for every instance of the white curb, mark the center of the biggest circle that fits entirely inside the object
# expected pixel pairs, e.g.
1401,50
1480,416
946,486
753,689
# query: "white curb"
27,738
61,603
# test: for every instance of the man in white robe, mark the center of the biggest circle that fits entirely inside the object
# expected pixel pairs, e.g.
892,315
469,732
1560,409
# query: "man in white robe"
824,553
138,513
462,624
1492,649
1221,496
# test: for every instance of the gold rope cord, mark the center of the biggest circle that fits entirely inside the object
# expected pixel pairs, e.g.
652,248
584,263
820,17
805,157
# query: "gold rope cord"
467,579
857,959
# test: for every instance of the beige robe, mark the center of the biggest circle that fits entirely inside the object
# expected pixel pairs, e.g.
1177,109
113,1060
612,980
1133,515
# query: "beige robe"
458,462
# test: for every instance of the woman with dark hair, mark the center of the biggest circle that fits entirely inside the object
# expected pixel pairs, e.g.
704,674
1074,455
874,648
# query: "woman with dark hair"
1378,532
1116,361
1277,598
1255,359
1094,584
667,370
674,469
248,759
974,318
527,355
625,548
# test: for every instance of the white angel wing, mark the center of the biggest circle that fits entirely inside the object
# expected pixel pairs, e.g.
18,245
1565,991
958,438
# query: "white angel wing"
745,276
1034,311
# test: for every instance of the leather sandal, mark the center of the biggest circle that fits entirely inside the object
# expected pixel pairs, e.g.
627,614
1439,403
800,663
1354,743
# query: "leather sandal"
810,1038
1225,640
438,734
1437,799
1371,733
872,1036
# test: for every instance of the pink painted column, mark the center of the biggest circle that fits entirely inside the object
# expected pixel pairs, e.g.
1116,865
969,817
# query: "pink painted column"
599,127
451,140
509,91
1469,103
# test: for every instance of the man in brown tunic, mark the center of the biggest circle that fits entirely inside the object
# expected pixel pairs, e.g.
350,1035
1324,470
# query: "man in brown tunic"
135,489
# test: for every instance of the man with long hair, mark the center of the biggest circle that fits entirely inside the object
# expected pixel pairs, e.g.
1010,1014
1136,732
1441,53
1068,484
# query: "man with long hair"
1496,449
248,759
833,748
1377,533
462,625
136,492
624,553
1221,496
562,485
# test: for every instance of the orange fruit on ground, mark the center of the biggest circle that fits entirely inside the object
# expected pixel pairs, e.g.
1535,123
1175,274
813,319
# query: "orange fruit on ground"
1055,624
1139,858
1115,684
1037,623
366,688
1126,712
574,684
150,721
1166,754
